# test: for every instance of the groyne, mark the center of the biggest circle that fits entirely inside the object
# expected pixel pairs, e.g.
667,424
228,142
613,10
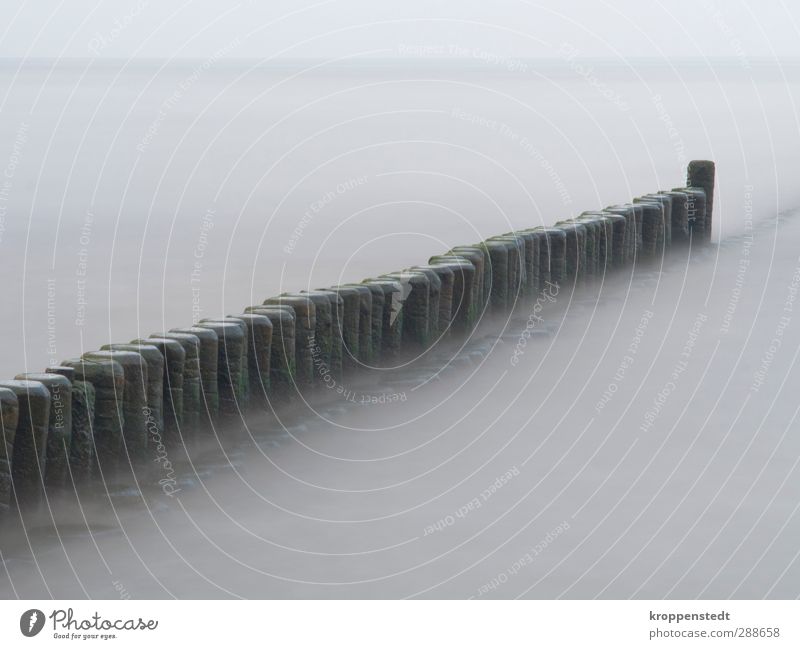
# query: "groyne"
110,410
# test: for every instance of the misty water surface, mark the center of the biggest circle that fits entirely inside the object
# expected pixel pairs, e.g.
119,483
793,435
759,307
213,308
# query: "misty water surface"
643,445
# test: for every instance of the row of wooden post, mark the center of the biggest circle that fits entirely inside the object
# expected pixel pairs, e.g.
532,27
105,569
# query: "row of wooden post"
109,409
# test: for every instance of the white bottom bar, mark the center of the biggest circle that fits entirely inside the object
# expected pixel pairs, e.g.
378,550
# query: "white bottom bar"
403,624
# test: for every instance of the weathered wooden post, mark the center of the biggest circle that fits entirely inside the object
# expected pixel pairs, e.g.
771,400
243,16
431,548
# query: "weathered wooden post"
575,251
531,275
443,302
416,318
391,316
330,319
499,283
554,256
321,342
434,298
377,300
83,458
230,359
81,452
633,229
366,354
192,402
589,257
679,216
666,203
515,247
701,173
59,429
696,212
535,245
131,400
108,379
208,359
259,353
628,235
539,262
155,383
613,242
29,442
463,308
243,385
305,324
511,269
603,240
478,256
172,384
350,325
652,227
9,415
282,364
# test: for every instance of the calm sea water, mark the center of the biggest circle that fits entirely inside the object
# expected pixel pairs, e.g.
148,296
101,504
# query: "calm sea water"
137,197
641,448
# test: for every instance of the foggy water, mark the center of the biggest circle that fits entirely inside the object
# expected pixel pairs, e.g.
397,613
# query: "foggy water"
142,197
641,447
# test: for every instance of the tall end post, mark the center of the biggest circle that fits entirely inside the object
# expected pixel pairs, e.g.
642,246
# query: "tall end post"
701,174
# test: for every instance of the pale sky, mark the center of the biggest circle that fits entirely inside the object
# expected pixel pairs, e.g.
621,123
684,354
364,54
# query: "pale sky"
336,28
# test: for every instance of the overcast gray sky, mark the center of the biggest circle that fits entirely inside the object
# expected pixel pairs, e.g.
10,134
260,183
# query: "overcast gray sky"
333,28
